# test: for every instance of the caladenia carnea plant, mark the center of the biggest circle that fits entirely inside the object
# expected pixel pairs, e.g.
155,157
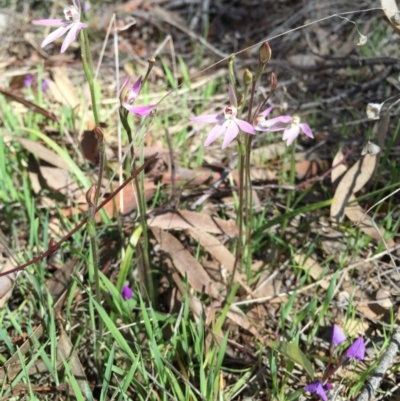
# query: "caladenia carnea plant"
127,95
239,121
354,352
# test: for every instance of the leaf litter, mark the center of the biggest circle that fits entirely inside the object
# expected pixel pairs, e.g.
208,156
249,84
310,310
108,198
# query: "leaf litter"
174,230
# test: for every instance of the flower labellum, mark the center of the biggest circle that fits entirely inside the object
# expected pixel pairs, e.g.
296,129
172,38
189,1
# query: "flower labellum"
71,24
226,123
338,336
127,95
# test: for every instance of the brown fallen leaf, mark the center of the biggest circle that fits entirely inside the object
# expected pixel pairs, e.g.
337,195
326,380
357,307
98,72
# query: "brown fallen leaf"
64,353
354,180
186,220
215,248
186,264
338,168
354,211
62,88
44,153
197,277
392,13
313,268
129,201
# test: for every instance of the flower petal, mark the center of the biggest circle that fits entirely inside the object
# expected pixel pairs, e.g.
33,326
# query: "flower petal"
71,36
290,134
51,22
208,118
266,111
232,131
215,133
317,388
245,126
338,336
306,129
134,92
357,349
126,293
127,79
76,4
280,119
140,110
232,96
55,35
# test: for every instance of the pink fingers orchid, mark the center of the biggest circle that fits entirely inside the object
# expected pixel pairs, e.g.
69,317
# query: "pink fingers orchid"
71,24
127,95
293,130
272,124
226,123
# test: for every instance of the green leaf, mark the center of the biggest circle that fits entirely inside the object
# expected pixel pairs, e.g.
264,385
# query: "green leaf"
293,352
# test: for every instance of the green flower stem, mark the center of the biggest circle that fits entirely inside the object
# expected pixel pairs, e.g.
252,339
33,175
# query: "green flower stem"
292,177
141,196
248,187
87,63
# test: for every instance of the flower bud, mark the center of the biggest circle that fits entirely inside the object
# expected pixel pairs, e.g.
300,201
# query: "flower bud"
90,194
247,77
273,82
99,133
264,53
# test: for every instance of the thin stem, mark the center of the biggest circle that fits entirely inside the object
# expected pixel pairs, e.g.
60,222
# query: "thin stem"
141,197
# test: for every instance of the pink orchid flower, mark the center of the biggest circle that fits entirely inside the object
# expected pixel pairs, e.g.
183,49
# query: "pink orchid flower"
227,123
293,131
128,94
272,124
70,24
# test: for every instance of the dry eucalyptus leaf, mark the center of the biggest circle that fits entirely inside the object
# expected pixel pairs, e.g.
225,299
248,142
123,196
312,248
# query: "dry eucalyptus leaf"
354,180
313,268
185,263
384,298
63,89
64,353
212,245
44,153
338,168
392,13
186,220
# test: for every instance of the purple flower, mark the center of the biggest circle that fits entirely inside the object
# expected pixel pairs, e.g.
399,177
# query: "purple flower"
293,131
227,123
128,94
126,293
319,389
71,23
45,84
338,336
28,80
273,124
357,349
